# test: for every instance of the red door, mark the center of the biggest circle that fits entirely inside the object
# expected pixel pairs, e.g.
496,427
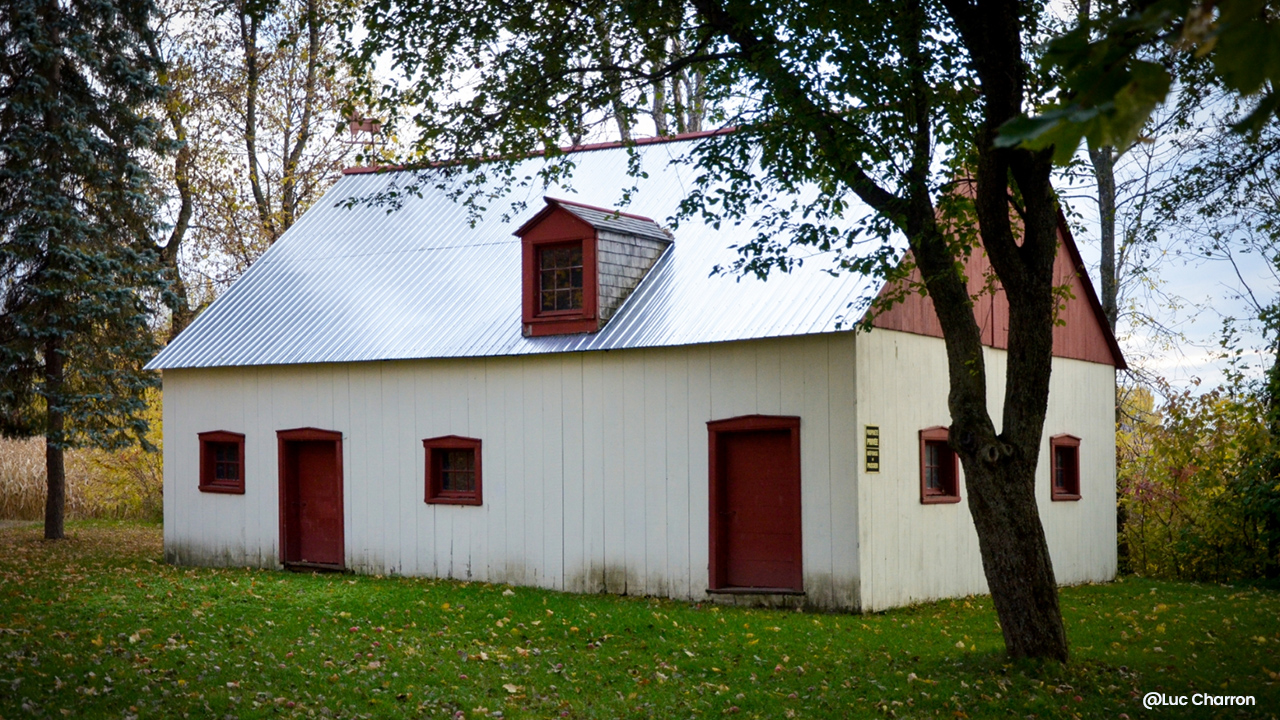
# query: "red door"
756,504
311,497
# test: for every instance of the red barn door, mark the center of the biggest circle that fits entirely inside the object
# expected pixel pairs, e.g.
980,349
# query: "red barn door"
311,528
755,504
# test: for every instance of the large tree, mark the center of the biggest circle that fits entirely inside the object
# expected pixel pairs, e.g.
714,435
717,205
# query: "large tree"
255,102
78,275
886,101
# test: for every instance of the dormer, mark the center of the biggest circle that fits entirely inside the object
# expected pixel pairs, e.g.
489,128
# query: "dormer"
580,263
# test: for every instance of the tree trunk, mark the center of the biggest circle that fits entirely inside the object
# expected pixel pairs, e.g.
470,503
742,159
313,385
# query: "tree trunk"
1103,160
1271,519
293,155
170,253
660,107
55,503
182,314
249,40
1104,172
1015,556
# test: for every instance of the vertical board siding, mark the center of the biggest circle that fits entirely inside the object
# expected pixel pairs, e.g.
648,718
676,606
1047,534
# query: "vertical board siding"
912,552
594,465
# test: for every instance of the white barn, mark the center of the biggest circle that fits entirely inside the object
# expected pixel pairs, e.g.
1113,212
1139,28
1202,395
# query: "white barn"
571,400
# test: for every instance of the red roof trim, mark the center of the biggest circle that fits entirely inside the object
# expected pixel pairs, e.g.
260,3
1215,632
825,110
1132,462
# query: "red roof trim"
597,209
554,204
569,149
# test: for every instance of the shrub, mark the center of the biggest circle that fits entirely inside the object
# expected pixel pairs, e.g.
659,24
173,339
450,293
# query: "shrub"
1194,482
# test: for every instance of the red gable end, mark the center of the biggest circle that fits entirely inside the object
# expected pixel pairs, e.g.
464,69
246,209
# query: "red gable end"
1084,336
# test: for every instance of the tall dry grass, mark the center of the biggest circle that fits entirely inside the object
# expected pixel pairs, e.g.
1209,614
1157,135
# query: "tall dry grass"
22,480
101,484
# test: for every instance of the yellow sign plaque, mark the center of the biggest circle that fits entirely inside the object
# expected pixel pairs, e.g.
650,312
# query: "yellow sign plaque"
872,446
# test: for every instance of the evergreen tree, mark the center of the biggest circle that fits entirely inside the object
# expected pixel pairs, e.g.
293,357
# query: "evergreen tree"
78,271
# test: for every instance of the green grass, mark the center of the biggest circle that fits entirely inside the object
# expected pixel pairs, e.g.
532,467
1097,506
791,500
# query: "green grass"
98,627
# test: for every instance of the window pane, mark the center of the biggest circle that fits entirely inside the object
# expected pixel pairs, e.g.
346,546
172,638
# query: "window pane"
561,278
1065,469
226,461
457,470
458,481
457,460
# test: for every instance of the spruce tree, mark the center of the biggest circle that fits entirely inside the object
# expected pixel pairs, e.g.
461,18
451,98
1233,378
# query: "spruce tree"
78,271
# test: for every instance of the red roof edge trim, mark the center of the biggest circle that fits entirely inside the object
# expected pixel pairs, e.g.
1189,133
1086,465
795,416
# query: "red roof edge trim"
1091,295
541,215
659,140
558,201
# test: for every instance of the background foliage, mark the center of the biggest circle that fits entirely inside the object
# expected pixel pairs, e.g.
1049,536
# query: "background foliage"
1195,481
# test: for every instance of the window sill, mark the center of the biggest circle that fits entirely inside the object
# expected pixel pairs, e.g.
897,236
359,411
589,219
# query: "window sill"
574,324
222,489
1065,497
939,499
454,501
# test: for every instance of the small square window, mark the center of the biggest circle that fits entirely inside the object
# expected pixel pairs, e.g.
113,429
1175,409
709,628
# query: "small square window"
222,462
1064,467
939,468
453,470
560,283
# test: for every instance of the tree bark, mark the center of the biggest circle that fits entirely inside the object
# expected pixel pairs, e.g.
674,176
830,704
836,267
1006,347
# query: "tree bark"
1103,160
183,162
55,502
249,40
293,157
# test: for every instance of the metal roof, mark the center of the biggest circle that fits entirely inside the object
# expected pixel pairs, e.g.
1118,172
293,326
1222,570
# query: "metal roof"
349,284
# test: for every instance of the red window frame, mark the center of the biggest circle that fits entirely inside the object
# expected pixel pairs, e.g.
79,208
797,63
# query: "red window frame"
556,227
209,445
948,465
1069,489
434,450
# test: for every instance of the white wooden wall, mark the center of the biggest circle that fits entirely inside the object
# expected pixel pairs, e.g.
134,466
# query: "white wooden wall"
912,552
594,464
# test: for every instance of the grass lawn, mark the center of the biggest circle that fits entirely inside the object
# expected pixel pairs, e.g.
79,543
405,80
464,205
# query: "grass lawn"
99,627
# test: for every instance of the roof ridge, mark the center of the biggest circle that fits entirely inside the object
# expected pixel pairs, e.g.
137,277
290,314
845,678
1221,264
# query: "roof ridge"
610,145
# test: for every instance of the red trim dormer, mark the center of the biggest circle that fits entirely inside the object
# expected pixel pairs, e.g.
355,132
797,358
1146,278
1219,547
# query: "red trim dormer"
551,241
580,262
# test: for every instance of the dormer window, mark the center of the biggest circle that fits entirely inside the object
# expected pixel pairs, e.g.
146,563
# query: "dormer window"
580,264
560,279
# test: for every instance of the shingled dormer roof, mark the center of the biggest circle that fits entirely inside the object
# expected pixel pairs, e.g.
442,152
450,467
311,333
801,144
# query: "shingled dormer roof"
601,219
